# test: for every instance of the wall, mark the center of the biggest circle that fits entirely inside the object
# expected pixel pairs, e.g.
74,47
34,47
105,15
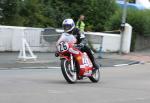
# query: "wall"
109,42
10,39
142,42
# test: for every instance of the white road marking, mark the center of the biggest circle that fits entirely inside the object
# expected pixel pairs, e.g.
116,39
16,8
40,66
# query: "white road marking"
118,65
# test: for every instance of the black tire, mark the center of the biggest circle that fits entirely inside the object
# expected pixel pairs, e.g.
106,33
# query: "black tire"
95,77
68,73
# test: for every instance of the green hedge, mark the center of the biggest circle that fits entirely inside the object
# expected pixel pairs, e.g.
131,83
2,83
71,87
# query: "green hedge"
139,20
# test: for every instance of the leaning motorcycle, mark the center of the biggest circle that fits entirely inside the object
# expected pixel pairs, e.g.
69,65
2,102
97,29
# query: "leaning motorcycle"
76,65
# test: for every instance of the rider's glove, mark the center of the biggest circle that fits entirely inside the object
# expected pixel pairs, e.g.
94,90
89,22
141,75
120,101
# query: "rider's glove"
56,54
81,45
82,35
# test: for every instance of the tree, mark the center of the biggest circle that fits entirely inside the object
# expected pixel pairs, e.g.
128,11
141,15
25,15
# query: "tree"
33,12
98,12
44,13
10,11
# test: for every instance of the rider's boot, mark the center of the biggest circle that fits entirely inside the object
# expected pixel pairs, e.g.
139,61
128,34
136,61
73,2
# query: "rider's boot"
95,65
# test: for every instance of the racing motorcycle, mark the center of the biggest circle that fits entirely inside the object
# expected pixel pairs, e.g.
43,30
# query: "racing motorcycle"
75,64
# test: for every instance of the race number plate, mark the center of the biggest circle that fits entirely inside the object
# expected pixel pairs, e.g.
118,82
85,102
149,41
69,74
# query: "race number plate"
63,46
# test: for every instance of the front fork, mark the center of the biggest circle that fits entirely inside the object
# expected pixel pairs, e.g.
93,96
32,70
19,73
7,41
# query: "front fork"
72,62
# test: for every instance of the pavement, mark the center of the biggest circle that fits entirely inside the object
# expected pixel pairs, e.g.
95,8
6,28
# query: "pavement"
9,60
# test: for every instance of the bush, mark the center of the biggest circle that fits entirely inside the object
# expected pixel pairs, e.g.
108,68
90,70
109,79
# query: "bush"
139,20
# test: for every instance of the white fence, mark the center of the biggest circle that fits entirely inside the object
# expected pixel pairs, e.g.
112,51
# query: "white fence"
11,36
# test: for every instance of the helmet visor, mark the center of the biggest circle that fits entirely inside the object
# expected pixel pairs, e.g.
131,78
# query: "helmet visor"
67,27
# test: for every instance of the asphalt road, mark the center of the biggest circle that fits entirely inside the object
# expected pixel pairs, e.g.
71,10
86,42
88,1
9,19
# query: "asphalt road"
128,84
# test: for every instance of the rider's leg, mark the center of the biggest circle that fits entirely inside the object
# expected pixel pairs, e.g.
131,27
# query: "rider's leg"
91,56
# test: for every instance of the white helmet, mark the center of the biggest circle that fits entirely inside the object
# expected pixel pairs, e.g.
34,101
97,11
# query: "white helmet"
68,25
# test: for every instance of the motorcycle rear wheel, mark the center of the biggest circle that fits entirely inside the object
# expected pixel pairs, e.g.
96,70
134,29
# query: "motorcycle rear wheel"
69,75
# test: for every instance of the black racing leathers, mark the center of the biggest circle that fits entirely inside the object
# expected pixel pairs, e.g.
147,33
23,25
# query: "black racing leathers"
76,32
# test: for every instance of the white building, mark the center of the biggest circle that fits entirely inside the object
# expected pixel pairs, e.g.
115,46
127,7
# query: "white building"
145,4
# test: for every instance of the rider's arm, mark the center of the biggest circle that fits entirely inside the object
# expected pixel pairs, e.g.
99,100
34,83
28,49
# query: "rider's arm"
79,35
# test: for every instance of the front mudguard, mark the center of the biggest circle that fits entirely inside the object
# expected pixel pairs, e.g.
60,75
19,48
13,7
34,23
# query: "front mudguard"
65,57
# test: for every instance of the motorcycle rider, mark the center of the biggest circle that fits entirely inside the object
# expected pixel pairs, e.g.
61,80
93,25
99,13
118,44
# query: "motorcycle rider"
72,32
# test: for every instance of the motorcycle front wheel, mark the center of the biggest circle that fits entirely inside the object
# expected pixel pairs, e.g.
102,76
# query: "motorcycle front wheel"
69,74
95,77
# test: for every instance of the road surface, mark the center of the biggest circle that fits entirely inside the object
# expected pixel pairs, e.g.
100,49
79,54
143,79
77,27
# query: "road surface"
128,84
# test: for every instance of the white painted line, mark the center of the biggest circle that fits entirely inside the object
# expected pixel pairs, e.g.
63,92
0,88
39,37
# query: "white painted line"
30,68
9,68
40,67
3,68
119,65
33,67
54,67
